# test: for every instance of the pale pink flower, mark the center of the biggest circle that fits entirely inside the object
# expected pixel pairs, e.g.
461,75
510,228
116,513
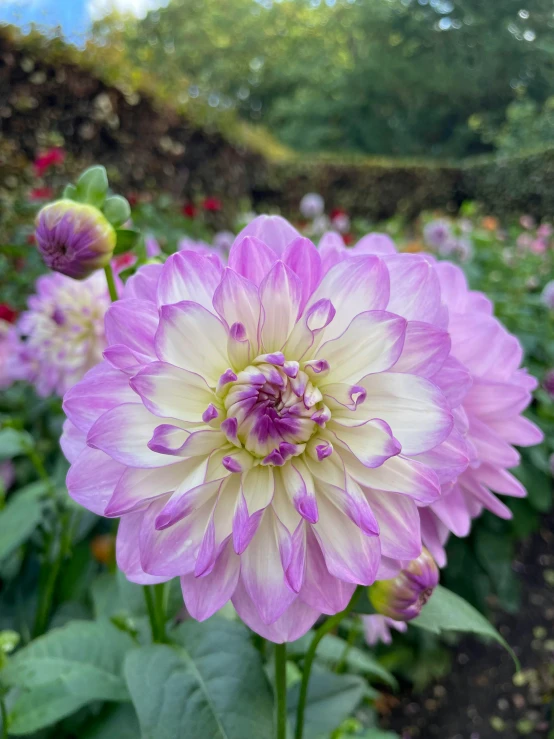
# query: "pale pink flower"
260,429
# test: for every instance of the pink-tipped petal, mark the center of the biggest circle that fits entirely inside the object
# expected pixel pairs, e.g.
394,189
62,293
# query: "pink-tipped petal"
191,337
204,596
251,258
371,343
188,276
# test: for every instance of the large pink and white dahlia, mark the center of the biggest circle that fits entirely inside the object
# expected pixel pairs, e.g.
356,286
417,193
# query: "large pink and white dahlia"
497,391
259,429
485,387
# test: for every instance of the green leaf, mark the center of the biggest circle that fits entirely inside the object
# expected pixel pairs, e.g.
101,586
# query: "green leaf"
211,685
114,595
117,722
69,192
20,517
64,670
14,443
117,210
495,553
43,706
331,699
92,186
331,649
446,611
127,239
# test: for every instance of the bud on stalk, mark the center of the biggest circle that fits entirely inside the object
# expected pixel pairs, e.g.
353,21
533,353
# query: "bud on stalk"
403,597
74,238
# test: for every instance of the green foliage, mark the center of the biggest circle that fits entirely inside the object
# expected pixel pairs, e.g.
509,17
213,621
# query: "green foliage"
117,210
521,183
65,670
446,611
20,517
397,77
331,698
211,684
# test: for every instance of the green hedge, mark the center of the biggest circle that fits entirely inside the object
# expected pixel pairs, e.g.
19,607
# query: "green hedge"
374,189
513,185
380,188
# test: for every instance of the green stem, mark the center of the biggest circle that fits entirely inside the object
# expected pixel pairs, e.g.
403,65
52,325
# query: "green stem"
47,591
324,629
155,597
4,715
281,689
111,282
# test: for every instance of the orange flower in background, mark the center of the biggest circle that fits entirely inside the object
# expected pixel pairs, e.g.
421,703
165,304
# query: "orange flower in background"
490,223
413,247
103,548
50,158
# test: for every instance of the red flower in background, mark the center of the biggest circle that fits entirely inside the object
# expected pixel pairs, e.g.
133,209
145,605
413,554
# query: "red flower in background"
348,239
189,210
50,158
42,193
212,204
124,260
337,212
132,199
7,313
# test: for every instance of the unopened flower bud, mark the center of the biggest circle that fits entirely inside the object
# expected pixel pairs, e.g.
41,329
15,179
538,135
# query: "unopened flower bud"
74,238
403,597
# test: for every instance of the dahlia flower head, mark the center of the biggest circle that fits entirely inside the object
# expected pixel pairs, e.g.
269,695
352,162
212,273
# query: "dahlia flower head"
269,432
61,335
485,387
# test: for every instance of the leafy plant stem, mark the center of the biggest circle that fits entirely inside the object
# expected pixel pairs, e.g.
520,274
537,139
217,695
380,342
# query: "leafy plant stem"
156,602
4,716
46,594
281,689
111,282
324,629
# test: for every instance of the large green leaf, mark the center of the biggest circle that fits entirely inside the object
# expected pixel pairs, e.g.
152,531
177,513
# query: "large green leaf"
64,670
331,650
211,685
13,443
331,699
20,517
114,595
116,722
446,611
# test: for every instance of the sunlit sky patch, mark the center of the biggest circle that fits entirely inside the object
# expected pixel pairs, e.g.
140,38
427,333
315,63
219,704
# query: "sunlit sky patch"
72,16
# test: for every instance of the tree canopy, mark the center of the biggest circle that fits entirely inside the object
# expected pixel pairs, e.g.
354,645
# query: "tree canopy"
394,77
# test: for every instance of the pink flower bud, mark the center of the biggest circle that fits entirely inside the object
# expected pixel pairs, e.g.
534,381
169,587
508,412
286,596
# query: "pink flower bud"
403,597
73,238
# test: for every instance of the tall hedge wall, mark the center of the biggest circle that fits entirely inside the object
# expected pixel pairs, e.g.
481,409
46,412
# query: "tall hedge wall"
148,146
512,185
374,188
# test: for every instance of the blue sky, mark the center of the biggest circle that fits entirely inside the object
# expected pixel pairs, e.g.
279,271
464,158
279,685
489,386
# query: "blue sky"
74,16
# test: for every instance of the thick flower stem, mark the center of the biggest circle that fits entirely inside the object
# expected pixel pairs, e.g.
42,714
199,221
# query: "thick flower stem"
111,282
324,629
155,596
51,573
281,689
